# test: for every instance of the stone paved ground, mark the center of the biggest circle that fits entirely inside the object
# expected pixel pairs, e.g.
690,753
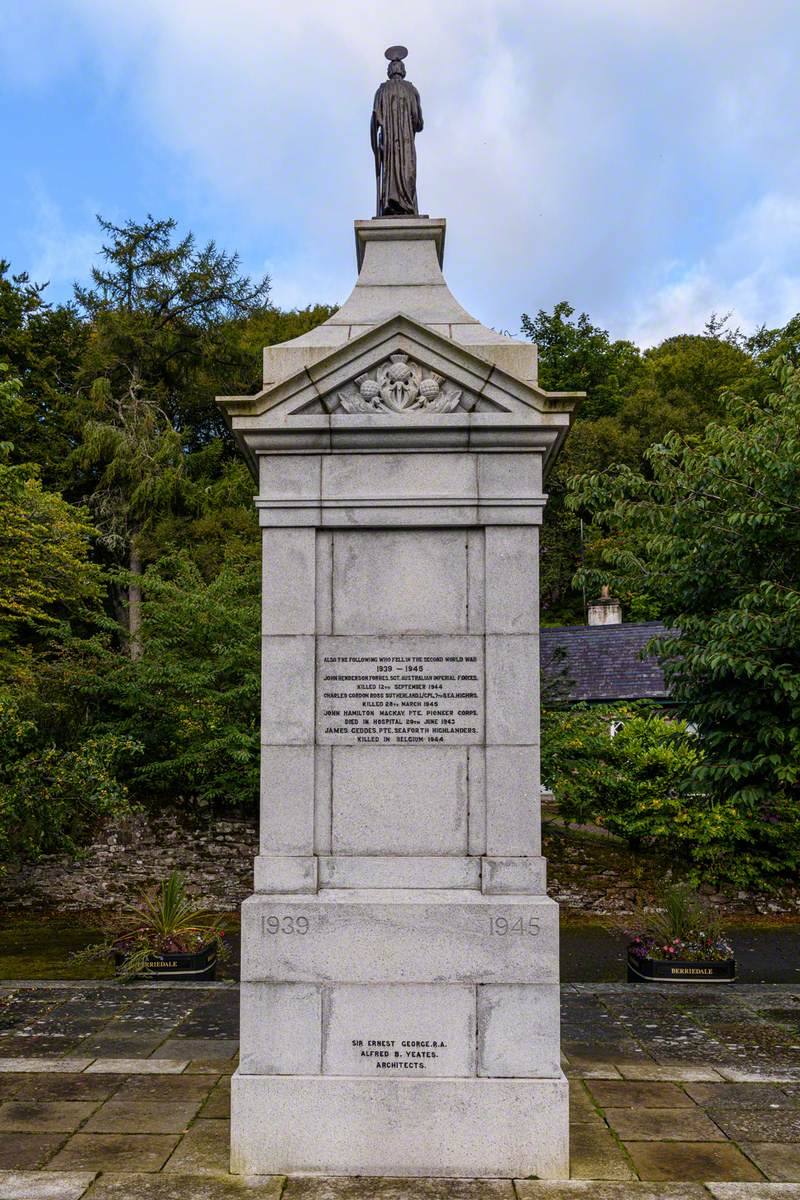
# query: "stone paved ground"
110,1091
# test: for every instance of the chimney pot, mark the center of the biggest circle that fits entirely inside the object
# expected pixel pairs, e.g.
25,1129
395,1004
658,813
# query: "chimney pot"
606,610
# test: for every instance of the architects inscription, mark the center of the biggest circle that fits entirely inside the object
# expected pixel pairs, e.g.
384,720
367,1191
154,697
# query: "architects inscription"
406,1054
400,691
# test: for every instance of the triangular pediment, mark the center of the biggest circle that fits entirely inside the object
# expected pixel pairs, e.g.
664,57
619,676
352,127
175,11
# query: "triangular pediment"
398,369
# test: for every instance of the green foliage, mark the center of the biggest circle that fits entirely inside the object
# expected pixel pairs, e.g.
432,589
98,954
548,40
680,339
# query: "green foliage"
166,914
165,921
129,605
632,400
163,316
579,356
629,782
42,347
51,798
682,916
712,534
192,699
45,572
685,928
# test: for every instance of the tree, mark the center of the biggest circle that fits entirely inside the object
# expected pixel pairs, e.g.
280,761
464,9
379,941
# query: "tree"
192,700
46,575
633,399
42,347
711,530
160,314
579,356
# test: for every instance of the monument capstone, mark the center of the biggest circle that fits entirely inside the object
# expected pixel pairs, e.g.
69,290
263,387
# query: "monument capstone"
399,995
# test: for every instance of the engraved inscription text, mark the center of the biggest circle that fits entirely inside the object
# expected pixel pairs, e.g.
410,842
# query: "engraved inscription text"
396,698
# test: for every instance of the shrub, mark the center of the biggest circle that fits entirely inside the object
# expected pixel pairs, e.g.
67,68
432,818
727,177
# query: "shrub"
50,798
640,786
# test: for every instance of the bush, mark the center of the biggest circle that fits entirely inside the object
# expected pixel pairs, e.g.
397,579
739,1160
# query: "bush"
192,699
710,531
51,799
618,781
638,785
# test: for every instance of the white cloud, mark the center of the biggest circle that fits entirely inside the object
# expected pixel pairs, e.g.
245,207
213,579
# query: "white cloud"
573,147
753,273
58,250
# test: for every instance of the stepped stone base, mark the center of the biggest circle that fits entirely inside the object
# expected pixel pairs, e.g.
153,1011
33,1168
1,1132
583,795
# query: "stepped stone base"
347,1125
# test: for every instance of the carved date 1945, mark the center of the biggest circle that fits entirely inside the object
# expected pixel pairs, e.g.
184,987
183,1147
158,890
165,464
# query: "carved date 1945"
504,926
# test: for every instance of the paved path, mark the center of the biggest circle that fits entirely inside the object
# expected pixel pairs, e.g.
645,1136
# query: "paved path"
110,1091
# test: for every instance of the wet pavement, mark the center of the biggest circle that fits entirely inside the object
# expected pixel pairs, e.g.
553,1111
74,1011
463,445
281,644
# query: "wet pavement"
110,1090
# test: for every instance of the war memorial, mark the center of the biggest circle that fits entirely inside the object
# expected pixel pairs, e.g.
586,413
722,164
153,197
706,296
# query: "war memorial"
400,979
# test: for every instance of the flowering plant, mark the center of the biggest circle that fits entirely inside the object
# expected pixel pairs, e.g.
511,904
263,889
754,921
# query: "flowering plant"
683,930
164,922
700,947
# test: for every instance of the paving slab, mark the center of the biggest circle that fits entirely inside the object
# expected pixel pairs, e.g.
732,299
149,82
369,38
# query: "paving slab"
163,1087
197,1048
218,1104
142,1116
398,1189
754,1191
595,1154
27,1151
670,1161
62,1065
587,1189
204,1150
51,1086
44,1116
211,1066
113,1186
137,1066
676,1072
581,1109
767,1125
779,1161
740,1075
590,1069
114,1152
663,1125
115,1045
625,1093
34,1185
740,1095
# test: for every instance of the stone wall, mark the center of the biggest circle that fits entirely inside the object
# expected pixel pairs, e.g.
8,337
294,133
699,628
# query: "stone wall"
588,875
216,858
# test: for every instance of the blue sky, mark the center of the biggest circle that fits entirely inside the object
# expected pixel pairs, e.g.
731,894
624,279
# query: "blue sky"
637,158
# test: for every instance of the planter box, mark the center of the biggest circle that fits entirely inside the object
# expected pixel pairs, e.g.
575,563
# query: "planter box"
680,971
202,965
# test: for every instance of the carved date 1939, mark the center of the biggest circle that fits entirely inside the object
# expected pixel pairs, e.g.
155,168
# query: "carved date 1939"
503,926
284,924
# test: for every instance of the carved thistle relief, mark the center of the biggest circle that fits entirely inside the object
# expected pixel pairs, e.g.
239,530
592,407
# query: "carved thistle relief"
401,385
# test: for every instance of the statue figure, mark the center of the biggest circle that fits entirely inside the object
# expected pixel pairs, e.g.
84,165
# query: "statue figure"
396,117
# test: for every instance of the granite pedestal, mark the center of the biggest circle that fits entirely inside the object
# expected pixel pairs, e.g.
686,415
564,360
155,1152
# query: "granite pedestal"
400,955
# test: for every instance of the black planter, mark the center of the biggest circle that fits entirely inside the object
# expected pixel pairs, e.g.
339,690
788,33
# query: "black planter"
199,966
657,970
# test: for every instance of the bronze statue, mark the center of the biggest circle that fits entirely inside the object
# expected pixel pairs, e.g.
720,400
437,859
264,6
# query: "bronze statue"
396,117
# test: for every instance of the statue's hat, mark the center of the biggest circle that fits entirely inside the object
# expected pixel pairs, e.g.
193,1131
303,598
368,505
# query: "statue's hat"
396,53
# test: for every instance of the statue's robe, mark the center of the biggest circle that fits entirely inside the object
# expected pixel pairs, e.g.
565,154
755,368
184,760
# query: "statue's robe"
397,114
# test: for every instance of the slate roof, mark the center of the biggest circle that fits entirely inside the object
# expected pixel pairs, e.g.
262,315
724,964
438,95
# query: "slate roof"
601,662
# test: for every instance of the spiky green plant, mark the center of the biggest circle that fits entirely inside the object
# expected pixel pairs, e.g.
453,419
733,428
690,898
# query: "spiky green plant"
165,921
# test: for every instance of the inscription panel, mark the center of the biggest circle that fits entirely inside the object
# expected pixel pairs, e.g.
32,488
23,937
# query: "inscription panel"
403,1031
400,691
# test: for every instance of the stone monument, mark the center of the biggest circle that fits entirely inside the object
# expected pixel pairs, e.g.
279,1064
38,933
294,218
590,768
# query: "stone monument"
399,996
